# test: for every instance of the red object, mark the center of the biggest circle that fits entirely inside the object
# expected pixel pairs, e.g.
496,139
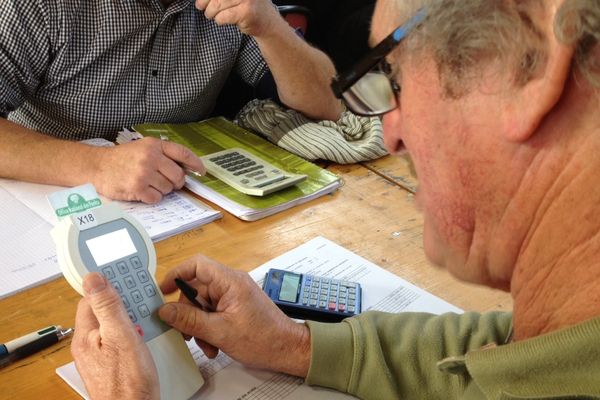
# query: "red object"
139,330
297,21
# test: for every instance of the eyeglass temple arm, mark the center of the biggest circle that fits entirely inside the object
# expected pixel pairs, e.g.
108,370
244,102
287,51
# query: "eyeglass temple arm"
343,81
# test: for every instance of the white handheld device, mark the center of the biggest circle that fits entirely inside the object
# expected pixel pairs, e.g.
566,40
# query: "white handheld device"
108,241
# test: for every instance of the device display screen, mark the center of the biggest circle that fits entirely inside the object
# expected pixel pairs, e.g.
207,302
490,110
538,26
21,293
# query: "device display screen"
289,287
111,246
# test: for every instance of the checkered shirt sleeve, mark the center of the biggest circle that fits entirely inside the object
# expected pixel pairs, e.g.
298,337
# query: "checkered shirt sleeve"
79,69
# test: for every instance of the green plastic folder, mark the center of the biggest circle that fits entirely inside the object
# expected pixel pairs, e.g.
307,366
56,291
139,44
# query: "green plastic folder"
218,134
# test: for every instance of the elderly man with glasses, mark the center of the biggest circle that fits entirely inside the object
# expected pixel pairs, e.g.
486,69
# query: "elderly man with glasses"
499,110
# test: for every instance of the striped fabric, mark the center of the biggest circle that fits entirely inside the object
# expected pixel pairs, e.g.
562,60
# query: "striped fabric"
349,140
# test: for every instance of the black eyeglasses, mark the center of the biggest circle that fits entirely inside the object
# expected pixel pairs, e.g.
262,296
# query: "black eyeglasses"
370,92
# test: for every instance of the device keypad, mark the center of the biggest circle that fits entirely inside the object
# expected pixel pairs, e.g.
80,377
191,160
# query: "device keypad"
330,294
140,297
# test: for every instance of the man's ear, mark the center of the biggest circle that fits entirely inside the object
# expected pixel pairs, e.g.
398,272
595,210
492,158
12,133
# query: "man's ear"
528,105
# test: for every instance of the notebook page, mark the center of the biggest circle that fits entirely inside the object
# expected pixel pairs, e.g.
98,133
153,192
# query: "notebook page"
26,248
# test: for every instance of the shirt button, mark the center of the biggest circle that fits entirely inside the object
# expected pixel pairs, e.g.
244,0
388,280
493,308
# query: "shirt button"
154,72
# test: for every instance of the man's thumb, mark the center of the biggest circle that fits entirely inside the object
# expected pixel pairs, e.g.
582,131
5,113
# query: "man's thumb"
104,300
185,318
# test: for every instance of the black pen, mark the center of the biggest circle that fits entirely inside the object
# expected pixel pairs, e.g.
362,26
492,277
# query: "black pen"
32,343
192,295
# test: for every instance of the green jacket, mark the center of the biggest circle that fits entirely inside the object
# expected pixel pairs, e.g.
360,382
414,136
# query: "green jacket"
422,356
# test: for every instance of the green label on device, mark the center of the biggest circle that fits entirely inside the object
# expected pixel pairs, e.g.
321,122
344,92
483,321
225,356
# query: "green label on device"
74,200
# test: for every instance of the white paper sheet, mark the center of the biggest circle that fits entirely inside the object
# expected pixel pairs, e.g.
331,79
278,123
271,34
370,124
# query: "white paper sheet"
26,250
382,290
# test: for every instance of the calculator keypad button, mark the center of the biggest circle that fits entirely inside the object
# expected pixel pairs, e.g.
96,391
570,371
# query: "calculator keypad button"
322,304
136,295
143,309
129,282
117,286
108,272
122,267
131,316
135,261
125,301
143,276
150,290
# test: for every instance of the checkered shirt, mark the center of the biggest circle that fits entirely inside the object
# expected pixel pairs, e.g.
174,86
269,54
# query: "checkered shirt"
80,69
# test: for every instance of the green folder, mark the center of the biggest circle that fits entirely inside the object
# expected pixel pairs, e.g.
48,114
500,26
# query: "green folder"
218,134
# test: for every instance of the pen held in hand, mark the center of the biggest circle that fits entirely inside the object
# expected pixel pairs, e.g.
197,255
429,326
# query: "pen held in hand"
185,169
192,295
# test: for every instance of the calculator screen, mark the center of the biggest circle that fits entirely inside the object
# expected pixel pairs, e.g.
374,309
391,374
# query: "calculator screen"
111,246
289,287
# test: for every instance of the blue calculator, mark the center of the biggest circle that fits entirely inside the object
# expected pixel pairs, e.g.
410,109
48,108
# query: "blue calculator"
313,297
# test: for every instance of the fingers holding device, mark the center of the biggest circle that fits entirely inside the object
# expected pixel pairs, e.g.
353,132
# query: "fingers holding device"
121,297
245,323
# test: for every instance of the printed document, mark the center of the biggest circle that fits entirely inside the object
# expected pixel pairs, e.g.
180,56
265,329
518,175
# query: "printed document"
382,290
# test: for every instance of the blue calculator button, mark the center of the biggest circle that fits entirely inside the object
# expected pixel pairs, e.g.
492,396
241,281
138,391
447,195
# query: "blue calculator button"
108,272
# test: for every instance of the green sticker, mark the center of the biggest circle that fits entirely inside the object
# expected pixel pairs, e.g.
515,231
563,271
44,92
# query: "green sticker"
74,200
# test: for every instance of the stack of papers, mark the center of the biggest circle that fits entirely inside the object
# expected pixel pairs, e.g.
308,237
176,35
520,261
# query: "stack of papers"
218,134
27,251
381,290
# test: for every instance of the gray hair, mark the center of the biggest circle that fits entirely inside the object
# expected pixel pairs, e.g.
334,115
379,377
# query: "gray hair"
463,34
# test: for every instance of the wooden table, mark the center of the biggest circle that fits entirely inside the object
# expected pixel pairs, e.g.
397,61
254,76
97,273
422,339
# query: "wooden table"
372,215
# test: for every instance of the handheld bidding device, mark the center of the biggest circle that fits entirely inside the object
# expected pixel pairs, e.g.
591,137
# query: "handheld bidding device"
108,241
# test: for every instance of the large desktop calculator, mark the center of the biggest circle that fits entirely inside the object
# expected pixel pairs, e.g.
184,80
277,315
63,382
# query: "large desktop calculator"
248,173
313,297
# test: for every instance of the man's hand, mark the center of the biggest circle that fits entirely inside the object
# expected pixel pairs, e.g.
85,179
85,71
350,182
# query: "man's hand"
110,355
252,17
246,323
144,170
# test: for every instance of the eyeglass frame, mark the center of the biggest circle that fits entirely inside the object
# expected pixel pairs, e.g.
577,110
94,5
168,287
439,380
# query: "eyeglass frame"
344,81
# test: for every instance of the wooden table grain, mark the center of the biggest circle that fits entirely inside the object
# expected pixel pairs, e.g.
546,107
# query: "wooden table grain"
397,169
371,215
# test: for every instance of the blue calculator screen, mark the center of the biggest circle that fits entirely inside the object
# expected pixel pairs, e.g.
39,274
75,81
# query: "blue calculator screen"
289,287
